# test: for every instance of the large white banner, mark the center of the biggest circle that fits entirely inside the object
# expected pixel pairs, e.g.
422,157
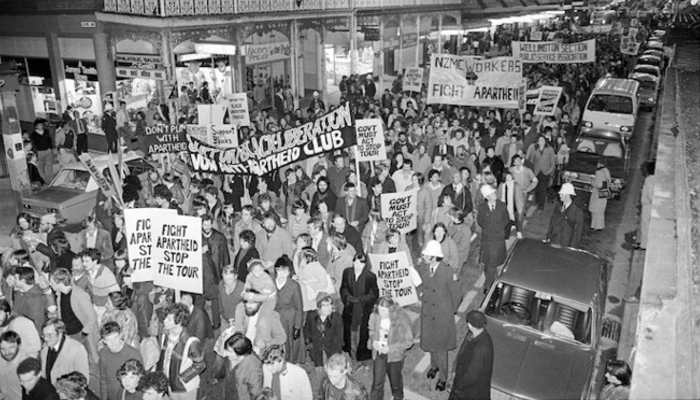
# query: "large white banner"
413,79
138,228
177,254
472,81
555,52
370,140
400,210
395,277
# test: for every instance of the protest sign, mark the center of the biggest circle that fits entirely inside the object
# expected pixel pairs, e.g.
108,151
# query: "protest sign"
555,52
370,140
138,228
548,100
394,277
413,79
400,210
259,155
221,136
208,114
536,36
166,139
177,253
97,175
592,28
472,81
238,112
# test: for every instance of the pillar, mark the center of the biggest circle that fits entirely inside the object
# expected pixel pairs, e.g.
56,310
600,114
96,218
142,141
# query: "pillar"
106,74
381,58
353,42
169,65
399,59
439,43
293,60
58,74
238,64
12,138
419,47
322,55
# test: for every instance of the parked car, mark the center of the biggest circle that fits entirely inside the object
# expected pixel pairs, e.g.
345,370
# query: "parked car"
72,194
590,145
648,89
647,59
652,52
545,313
647,69
655,45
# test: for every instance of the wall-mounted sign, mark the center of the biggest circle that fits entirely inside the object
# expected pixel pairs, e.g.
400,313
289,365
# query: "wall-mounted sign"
261,53
215,48
139,59
157,74
80,70
88,24
391,43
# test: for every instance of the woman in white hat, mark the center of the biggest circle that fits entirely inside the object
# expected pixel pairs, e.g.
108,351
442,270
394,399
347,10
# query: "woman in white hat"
439,303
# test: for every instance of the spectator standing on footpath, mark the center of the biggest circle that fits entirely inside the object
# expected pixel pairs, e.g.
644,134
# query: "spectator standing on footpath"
474,362
566,225
43,145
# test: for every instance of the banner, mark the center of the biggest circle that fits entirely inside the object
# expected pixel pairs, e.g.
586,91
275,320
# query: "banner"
166,139
400,210
221,136
370,140
138,224
259,155
208,114
555,52
472,81
413,79
264,53
238,112
548,100
177,254
536,36
394,277
592,28
97,175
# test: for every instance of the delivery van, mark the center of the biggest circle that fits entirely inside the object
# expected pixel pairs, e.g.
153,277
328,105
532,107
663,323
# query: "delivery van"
613,105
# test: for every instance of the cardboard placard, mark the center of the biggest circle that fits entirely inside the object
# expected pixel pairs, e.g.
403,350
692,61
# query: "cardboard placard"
548,100
238,112
370,140
177,253
413,79
400,210
138,228
395,277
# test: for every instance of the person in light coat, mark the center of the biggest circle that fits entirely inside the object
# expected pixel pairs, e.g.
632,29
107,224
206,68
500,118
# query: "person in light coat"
68,354
294,383
598,204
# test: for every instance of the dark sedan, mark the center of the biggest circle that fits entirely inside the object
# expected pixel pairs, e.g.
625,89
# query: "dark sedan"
592,144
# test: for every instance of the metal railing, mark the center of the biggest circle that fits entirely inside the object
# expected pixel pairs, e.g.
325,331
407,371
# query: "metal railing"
178,8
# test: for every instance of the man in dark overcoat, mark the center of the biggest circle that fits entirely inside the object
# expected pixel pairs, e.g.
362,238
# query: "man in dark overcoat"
566,225
474,362
493,218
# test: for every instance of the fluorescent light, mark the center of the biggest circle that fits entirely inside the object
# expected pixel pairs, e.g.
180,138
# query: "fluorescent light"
215,48
192,57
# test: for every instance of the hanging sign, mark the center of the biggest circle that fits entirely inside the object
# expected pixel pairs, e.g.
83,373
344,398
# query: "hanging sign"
82,71
263,53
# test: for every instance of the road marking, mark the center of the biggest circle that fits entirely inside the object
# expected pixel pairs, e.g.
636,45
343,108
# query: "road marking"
409,395
472,293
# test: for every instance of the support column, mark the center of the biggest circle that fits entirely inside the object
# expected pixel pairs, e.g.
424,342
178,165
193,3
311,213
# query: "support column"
12,138
169,65
293,60
322,54
419,47
353,42
399,60
237,66
439,44
106,74
58,75
381,57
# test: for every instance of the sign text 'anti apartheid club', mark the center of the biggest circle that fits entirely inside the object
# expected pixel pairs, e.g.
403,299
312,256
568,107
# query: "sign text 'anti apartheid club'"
260,155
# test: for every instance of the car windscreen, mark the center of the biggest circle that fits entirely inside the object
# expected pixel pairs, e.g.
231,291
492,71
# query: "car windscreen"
541,312
74,179
646,69
611,103
647,85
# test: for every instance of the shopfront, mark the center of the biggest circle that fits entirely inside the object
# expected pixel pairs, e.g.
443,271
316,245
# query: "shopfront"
267,67
140,79
81,87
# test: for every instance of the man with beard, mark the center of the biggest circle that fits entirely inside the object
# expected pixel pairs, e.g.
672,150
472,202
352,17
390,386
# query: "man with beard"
218,248
340,225
323,194
274,242
262,329
442,169
12,353
459,193
29,298
337,174
22,326
48,224
247,223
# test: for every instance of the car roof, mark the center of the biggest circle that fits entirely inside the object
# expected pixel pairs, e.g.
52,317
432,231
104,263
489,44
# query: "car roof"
646,66
643,76
616,86
102,160
559,271
599,133
649,56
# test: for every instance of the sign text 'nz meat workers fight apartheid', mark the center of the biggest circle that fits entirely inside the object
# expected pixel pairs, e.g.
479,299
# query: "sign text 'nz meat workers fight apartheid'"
260,155
473,81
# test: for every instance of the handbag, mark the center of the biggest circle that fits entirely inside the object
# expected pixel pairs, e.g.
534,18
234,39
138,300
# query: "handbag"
604,192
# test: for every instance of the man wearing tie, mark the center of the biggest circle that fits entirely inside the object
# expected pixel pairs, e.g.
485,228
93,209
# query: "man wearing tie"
79,126
492,217
443,149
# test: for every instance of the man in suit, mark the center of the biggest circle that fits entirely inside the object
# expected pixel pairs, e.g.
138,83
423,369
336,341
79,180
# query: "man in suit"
443,149
566,225
279,103
217,243
459,193
262,329
94,237
492,217
199,324
48,224
353,208
61,354
340,225
319,240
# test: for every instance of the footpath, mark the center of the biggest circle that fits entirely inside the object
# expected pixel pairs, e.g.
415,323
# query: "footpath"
665,350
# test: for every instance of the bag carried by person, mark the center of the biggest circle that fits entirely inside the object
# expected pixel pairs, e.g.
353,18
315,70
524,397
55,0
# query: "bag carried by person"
604,192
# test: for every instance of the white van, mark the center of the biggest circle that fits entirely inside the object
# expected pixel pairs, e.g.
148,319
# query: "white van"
613,105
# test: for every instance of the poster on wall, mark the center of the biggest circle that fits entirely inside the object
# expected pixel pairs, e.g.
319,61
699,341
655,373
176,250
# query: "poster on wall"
395,277
259,155
413,79
400,210
138,228
473,81
177,253
370,140
555,52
